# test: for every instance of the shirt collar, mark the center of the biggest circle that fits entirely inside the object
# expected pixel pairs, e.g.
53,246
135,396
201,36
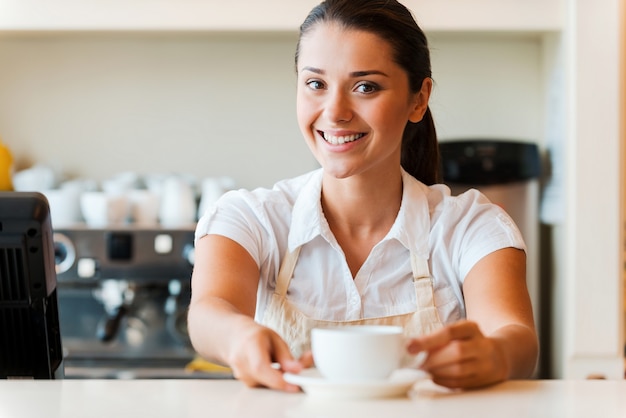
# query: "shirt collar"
411,228
306,216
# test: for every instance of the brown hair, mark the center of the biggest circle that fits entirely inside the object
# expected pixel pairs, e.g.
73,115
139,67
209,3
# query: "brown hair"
393,22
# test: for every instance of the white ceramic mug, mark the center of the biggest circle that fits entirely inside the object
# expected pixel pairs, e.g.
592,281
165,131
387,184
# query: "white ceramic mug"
101,209
35,179
144,207
178,203
360,352
64,206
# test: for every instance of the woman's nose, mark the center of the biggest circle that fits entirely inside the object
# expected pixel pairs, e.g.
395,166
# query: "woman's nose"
338,107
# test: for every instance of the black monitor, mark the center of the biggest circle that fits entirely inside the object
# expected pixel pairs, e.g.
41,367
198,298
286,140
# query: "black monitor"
30,337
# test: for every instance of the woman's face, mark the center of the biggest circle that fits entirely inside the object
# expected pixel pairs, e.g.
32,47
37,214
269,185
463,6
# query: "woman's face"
353,100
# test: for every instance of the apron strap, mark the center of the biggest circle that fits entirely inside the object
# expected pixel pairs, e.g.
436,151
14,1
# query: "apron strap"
286,271
422,282
420,267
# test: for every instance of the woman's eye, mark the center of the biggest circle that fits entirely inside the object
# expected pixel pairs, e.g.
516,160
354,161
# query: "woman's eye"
367,88
315,84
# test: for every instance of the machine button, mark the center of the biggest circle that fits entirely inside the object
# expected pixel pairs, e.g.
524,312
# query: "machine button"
163,244
86,268
120,246
64,253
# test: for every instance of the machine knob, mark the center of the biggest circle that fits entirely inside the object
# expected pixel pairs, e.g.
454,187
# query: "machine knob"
64,252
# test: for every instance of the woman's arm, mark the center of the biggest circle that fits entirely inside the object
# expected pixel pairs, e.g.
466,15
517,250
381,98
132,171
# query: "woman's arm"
497,299
498,341
221,315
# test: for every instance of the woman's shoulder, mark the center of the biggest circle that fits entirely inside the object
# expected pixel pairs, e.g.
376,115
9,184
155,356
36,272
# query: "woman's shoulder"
284,192
248,215
441,200
267,204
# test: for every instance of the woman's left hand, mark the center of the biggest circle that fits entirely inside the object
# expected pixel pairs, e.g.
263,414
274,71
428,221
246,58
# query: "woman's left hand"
460,356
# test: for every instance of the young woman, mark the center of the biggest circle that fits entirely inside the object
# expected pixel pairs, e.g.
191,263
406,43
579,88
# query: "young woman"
370,238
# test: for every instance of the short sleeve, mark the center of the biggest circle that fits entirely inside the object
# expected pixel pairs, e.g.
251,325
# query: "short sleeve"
233,216
473,227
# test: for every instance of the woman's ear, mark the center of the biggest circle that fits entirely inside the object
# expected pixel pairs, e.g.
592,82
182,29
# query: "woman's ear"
420,100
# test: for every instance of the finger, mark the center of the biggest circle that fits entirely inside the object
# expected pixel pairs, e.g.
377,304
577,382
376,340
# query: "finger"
455,359
469,363
270,375
462,375
274,380
259,370
306,360
282,355
458,331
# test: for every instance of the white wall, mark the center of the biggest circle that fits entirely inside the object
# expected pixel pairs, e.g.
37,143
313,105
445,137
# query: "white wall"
593,264
96,105
488,86
223,104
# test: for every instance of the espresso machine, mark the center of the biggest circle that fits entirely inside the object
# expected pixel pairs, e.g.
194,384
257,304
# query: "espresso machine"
123,298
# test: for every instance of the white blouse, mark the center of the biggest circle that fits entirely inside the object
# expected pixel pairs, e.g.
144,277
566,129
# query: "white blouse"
453,232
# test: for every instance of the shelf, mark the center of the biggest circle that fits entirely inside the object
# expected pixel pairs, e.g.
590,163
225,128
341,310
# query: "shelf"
270,15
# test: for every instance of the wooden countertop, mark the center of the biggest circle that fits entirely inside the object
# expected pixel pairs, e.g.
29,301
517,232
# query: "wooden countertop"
230,398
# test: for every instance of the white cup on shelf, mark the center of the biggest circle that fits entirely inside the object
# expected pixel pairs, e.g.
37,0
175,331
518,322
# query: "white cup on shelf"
178,203
101,209
35,179
144,207
64,206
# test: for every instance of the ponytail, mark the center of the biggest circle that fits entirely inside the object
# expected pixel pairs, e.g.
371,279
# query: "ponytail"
420,150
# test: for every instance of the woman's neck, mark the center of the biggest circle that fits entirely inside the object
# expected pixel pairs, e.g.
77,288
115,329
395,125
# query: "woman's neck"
361,211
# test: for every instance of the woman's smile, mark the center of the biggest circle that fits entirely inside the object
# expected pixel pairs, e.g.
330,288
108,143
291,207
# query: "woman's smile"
340,139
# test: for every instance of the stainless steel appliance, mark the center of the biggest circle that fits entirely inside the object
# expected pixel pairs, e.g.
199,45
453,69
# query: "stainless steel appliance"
123,297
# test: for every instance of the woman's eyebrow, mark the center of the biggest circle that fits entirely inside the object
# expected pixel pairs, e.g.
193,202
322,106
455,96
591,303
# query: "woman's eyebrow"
366,73
314,70
352,74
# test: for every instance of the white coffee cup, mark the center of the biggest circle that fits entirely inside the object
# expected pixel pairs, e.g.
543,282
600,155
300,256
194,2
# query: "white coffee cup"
101,209
64,206
360,352
178,203
35,179
144,207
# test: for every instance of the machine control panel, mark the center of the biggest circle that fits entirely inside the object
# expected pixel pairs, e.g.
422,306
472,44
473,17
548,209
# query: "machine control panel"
85,254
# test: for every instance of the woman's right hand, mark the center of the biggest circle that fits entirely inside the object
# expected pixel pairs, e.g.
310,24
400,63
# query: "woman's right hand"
221,317
259,357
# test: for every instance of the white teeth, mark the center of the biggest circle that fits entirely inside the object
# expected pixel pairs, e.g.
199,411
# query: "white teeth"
338,140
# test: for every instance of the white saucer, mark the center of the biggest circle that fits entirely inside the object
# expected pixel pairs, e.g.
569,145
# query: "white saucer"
398,384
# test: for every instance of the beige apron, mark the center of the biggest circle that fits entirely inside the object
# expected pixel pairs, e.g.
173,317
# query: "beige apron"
295,327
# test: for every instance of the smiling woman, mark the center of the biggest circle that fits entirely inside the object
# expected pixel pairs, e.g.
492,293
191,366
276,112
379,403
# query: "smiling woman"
375,90
370,238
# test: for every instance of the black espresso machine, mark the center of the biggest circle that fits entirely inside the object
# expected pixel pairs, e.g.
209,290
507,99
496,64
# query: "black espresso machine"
123,298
